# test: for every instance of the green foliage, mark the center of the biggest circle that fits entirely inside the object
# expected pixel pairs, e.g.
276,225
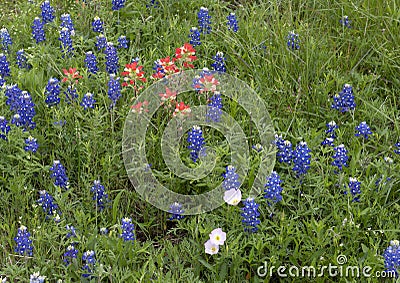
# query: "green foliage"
313,224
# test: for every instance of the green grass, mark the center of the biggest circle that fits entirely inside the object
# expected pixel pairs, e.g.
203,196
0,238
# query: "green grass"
298,88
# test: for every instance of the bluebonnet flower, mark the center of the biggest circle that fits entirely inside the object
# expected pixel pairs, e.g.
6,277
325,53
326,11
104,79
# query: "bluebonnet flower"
344,101
23,241
250,215
13,92
26,111
153,3
52,92
176,211
66,42
4,128
328,142
38,30
363,130
379,180
70,94
273,188
4,66
231,179
392,258
397,149
214,111
66,22
331,127
101,42
47,12
47,203
88,101
89,259
112,65
91,62
345,21
194,37
59,123
355,188
31,144
123,42
232,22
71,231
97,25
301,159
114,89
340,157
127,229
196,142
59,175
99,195
36,278
117,4
257,147
16,120
70,254
5,39
204,21
22,61
285,151
293,41
219,63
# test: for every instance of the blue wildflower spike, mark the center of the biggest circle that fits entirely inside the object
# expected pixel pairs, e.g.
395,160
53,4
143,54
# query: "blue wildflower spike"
250,215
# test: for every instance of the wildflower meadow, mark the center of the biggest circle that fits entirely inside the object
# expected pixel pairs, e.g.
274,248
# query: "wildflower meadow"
199,141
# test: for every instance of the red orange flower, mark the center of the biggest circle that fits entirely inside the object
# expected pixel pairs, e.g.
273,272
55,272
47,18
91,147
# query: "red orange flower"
140,107
181,110
186,54
131,73
71,74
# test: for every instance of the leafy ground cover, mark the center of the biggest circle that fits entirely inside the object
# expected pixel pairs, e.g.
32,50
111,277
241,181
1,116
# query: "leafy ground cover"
328,74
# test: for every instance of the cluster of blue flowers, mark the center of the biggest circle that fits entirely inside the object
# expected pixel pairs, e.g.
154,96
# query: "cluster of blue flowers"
52,92
70,254
4,128
91,62
97,25
273,188
101,42
214,109
38,32
47,12
392,257
330,131
21,103
219,63
345,21
22,61
88,101
196,142
123,42
231,179
4,66
46,201
340,157
23,242
293,40
363,130
285,150
59,175
114,89
194,37
89,260
5,39
355,188
204,21
117,4
66,42
31,144
344,101
112,64
232,22
176,211
250,215
127,229
99,195
66,22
